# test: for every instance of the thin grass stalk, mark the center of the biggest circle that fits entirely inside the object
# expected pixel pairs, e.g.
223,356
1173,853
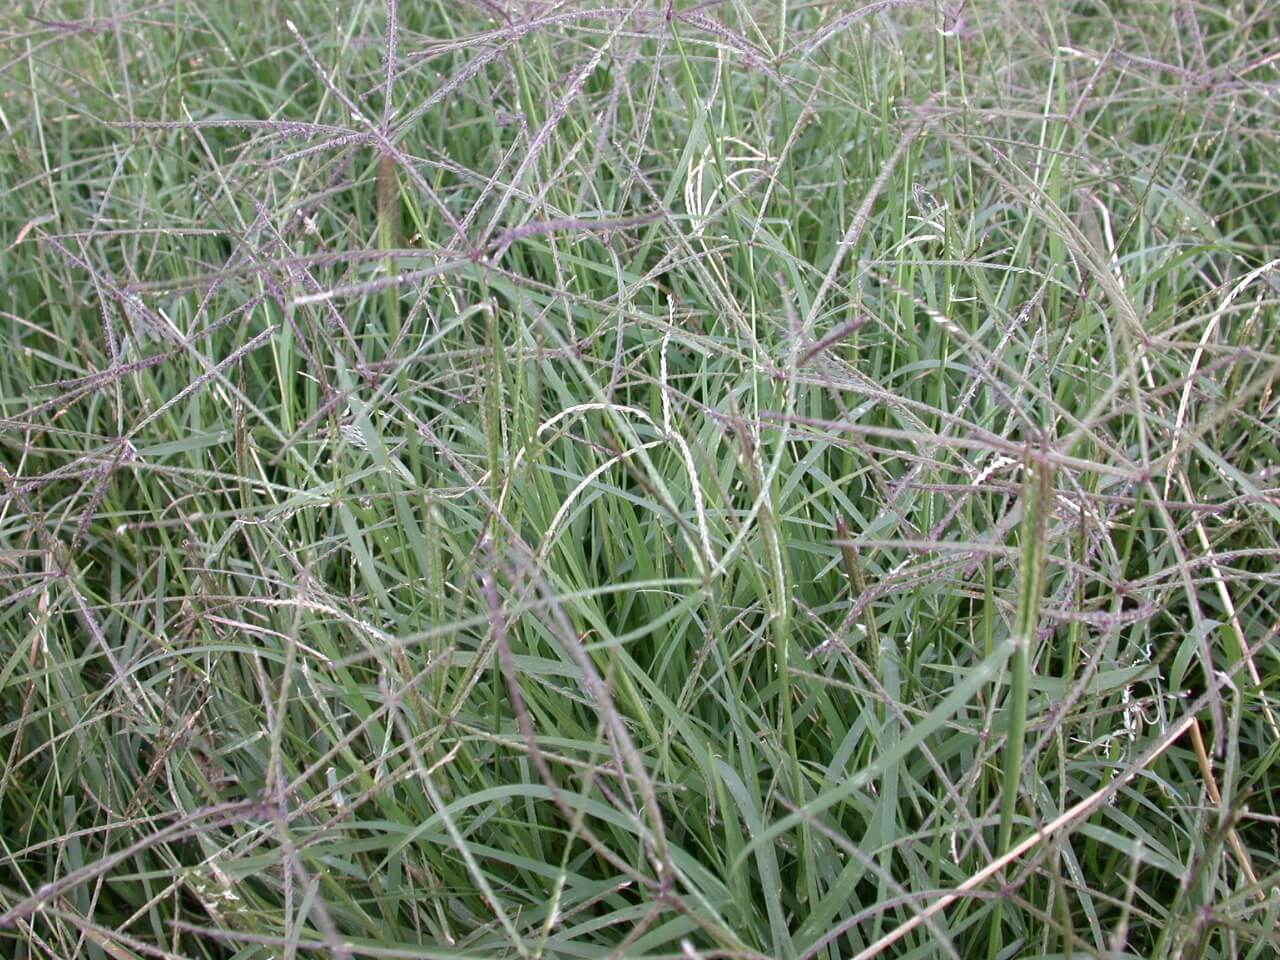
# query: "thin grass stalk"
858,587
388,190
1037,499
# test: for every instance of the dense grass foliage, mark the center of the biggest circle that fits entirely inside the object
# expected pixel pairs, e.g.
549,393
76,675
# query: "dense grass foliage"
564,480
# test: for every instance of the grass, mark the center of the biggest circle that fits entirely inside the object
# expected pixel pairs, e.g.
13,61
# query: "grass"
556,480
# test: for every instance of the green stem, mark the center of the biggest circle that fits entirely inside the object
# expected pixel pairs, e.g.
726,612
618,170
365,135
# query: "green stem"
1037,502
388,238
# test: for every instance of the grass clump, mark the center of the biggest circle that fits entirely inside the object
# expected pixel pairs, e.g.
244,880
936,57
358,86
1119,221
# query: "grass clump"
564,480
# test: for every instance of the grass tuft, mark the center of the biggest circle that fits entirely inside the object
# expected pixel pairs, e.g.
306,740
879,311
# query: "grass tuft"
571,480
